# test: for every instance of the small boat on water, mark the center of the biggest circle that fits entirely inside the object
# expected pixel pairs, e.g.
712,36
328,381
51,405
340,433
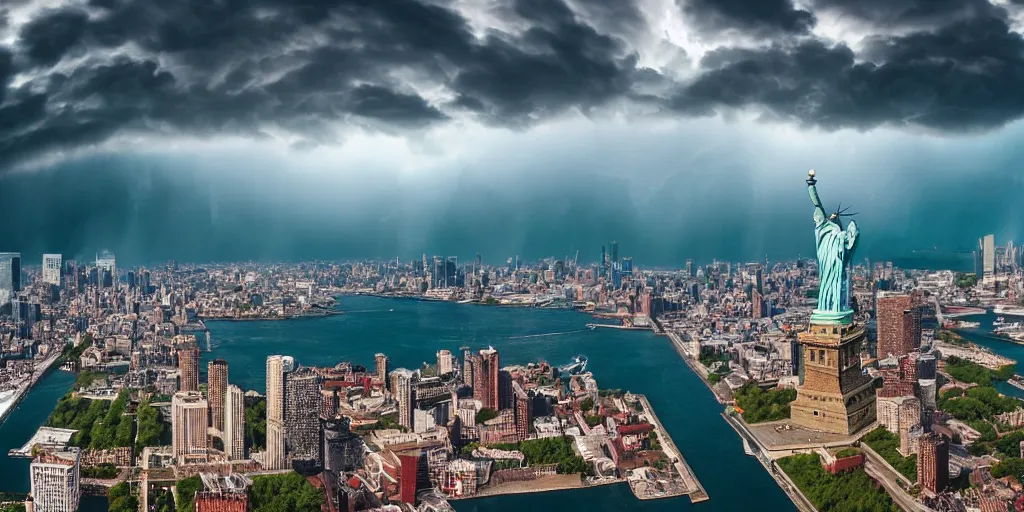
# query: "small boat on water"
576,367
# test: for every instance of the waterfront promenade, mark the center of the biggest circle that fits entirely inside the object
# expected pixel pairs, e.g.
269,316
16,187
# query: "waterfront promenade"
694,489
38,371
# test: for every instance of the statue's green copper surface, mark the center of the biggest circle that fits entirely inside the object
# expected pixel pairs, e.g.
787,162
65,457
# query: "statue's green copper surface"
835,248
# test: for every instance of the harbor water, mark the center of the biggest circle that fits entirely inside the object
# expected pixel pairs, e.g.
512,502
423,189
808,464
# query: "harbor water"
410,332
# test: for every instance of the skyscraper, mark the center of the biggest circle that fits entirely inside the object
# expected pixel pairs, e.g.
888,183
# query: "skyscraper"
932,462
188,427
522,411
302,414
467,366
52,269
382,368
405,395
275,455
10,276
106,264
444,362
217,376
55,481
234,423
188,369
490,385
989,257
899,325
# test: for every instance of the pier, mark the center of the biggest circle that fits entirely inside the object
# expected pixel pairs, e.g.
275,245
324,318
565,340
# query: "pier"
693,488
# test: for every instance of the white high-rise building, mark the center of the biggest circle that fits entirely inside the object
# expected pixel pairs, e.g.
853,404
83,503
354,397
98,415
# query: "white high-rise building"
275,455
405,395
444,362
189,420
234,423
55,481
10,276
52,269
988,255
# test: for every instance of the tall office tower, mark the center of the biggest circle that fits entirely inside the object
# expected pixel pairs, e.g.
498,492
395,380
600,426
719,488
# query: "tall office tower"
382,369
988,253
405,395
343,450
188,427
188,369
275,455
932,462
106,264
217,377
479,267
444,362
899,325
302,414
234,423
523,411
10,276
615,253
55,480
490,368
690,269
505,394
467,366
52,269
604,262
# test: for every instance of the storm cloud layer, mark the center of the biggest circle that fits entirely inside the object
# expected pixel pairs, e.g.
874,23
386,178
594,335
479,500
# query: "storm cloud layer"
311,72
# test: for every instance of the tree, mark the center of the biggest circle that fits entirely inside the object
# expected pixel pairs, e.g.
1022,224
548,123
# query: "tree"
281,493
586,405
853,491
186,490
485,414
1010,466
760,406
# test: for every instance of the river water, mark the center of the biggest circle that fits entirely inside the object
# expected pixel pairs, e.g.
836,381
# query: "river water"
411,332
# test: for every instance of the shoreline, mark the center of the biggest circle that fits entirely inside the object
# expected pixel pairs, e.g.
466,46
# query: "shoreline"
267,319
695,490
38,372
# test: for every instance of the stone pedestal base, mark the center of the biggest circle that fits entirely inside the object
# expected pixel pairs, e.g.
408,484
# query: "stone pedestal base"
835,413
834,396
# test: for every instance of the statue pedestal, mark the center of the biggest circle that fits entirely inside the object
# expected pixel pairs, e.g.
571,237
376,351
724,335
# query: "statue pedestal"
819,317
834,395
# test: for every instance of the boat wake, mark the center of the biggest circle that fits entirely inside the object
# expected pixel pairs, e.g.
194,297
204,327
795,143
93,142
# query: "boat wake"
525,336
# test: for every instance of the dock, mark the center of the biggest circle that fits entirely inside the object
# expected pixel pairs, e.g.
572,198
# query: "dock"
621,327
693,487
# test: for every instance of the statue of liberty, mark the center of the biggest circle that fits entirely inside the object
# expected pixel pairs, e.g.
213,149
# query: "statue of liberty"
835,248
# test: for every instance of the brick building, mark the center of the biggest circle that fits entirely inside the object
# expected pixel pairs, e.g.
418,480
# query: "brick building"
899,324
933,462
215,501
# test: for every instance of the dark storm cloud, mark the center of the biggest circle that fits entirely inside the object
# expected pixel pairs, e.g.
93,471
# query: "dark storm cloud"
964,76
238,66
313,67
46,38
913,13
758,18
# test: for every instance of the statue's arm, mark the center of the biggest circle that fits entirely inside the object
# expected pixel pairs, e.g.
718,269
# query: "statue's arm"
819,211
851,234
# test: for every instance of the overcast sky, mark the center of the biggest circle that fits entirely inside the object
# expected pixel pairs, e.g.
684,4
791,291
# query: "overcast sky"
237,129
